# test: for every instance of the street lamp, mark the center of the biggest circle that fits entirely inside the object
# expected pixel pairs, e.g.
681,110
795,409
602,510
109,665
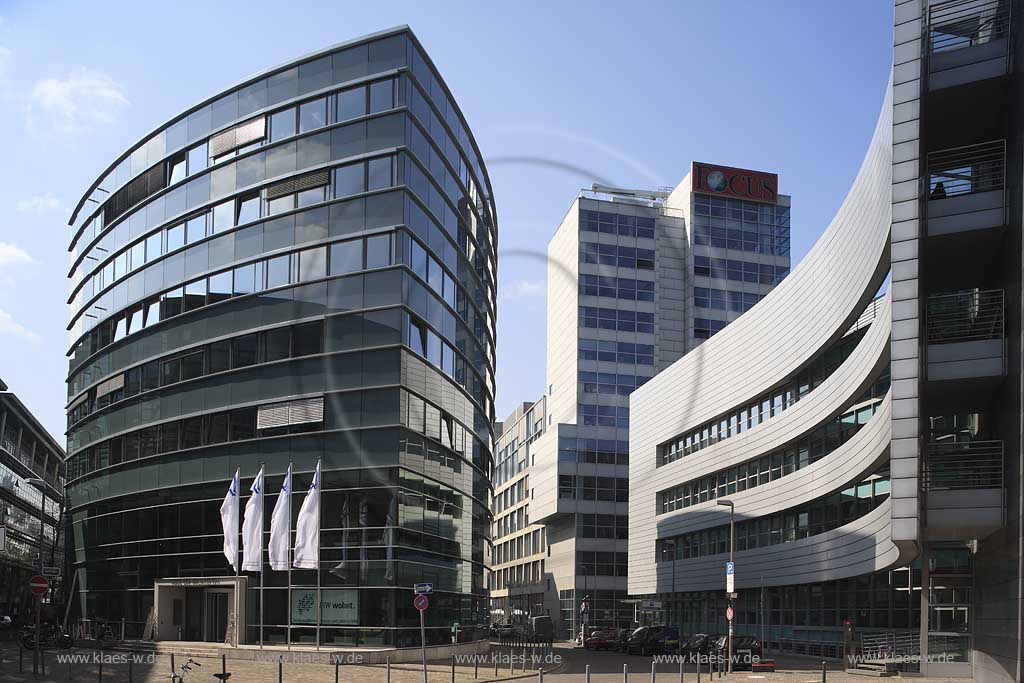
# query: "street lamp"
732,542
41,485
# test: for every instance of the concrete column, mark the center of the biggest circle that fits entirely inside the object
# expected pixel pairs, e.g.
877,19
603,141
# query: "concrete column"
924,608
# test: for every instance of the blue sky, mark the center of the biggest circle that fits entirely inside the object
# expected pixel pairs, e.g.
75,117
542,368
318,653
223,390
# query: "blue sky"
626,92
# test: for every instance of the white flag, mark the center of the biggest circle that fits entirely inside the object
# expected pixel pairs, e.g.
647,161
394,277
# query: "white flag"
280,525
307,528
252,527
229,521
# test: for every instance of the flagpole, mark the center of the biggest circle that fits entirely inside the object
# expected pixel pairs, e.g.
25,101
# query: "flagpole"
263,500
238,549
319,505
289,554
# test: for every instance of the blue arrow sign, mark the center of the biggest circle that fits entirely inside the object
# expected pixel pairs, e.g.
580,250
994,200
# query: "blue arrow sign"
423,588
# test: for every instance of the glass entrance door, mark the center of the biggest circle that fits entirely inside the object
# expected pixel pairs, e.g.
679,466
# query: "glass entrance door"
215,609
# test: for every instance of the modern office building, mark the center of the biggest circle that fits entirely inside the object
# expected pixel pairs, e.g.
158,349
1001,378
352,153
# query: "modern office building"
31,505
867,449
298,269
635,280
517,578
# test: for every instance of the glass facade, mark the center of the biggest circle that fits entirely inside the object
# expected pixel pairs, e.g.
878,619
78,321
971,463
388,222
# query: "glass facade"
32,514
317,244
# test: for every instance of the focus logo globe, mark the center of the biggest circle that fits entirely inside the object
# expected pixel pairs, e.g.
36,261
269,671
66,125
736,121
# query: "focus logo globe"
717,181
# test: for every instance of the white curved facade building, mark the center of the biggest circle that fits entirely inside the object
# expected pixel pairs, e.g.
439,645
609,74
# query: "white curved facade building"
868,446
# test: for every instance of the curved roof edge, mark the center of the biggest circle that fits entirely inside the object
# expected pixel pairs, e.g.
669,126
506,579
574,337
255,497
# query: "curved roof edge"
385,33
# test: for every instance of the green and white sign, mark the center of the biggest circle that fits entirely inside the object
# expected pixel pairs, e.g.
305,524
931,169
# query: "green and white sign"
337,607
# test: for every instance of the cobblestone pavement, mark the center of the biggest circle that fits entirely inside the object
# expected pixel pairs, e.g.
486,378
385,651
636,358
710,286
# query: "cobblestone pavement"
605,667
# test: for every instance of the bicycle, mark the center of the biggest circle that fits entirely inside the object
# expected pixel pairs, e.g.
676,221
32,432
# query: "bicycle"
187,667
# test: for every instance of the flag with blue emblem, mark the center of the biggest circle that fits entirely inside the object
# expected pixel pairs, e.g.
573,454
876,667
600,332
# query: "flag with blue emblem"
307,527
252,527
280,525
229,521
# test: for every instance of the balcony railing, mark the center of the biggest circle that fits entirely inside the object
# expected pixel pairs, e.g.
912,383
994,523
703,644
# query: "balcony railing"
967,170
965,465
974,315
964,23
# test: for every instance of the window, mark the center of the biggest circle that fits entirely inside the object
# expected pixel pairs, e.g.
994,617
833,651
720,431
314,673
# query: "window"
278,271
280,204
379,174
244,350
312,115
176,169
248,209
276,344
307,339
175,237
312,264
346,257
378,251
282,124
382,96
220,287
220,356
349,180
198,159
195,228
223,216
170,303
195,295
192,365
351,103
170,371
245,279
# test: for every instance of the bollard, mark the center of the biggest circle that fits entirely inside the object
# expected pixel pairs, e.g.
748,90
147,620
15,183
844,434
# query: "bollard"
524,660
173,671
476,668
540,675
453,668
511,661
680,670
100,674
823,671
652,671
698,667
387,661
625,673
337,664
280,669
496,657
588,674
223,667
131,672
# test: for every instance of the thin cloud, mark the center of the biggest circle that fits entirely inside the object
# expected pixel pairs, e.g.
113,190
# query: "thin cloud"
10,327
11,255
38,204
74,104
523,289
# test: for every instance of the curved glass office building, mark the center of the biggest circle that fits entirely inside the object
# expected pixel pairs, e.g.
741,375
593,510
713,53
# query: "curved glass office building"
300,268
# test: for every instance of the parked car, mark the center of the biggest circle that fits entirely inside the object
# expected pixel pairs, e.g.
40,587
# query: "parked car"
601,639
653,640
696,646
745,651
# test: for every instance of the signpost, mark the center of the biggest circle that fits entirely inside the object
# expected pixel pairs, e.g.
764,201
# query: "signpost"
421,602
38,585
730,588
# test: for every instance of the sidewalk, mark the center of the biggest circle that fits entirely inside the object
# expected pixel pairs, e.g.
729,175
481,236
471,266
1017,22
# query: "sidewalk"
85,665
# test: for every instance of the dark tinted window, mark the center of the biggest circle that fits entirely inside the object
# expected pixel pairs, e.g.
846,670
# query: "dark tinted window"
192,365
307,339
245,351
220,356
275,344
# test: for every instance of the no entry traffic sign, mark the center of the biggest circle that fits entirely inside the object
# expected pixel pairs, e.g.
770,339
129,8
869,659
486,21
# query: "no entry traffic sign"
420,602
39,585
